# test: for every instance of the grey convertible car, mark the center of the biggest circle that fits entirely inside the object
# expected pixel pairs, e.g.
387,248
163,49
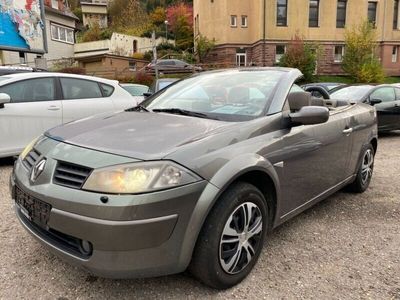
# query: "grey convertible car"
194,178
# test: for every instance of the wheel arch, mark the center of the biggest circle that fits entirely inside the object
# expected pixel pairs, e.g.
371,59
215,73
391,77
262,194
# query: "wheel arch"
252,169
374,143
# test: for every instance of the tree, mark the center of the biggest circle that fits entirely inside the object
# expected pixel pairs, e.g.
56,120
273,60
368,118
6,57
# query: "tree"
158,16
300,55
360,60
128,16
180,20
92,34
204,46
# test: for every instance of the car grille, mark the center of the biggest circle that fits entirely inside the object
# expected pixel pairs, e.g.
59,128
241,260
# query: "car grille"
31,158
71,175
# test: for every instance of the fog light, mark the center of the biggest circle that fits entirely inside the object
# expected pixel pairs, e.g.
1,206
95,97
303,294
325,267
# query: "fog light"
86,247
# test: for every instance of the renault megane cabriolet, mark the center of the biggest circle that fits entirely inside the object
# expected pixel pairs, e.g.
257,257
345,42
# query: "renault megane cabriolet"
194,177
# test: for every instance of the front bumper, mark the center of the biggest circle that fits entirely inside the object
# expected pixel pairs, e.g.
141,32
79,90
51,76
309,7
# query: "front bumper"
132,235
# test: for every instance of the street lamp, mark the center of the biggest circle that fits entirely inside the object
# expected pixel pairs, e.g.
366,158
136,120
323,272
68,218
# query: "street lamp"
166,29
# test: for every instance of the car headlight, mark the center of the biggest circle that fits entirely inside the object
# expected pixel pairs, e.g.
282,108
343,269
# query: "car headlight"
29,147
139,178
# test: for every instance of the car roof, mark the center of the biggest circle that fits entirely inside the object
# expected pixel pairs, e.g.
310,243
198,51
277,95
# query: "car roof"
371,85
133,84
32,75
167,79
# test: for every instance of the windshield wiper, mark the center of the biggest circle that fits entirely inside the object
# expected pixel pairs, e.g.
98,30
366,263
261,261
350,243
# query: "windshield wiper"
138,108
182,112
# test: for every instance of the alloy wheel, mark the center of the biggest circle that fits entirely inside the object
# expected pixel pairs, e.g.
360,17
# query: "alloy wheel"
240,238
367,166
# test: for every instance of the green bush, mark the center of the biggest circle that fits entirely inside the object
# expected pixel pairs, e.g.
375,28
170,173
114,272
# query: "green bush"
360,60
302,56
204,46
371,72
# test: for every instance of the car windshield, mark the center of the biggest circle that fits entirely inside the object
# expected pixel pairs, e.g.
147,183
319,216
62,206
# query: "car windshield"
136,90
228,96
355,93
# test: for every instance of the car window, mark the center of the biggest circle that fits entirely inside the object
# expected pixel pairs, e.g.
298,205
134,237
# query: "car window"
108,90
163,84
41,89
385,94
136,90
166,63
180,63
79,88
295,88
352,93
397,92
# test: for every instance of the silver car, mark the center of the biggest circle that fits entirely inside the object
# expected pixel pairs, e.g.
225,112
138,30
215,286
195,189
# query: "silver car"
31,103
194,177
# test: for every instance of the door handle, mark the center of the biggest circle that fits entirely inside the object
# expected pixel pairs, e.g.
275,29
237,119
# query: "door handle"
348,131
53,107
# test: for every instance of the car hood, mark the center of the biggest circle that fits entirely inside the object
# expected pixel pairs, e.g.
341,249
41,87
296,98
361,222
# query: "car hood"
139,135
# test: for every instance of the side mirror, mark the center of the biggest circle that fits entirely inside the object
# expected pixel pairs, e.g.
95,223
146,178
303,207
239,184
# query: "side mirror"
375,101
4,98
309,115
147,94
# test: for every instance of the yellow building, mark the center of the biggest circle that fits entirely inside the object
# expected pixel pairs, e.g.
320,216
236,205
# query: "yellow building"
256,32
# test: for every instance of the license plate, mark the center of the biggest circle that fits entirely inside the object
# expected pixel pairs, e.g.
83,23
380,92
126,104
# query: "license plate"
33,209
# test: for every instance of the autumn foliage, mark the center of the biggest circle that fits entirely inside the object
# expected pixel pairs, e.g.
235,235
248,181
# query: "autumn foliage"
300,55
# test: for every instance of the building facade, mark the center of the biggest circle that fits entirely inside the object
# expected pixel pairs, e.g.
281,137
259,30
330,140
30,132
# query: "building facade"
110,66
256,32
94,12
118,44
60,38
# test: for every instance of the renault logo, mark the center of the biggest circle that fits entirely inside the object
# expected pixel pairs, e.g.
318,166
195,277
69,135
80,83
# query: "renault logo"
37,170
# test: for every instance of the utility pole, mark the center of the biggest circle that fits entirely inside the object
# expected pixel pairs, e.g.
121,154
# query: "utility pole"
166,30
153,39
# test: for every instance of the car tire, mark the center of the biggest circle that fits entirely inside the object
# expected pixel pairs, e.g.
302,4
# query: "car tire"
364,172
221,260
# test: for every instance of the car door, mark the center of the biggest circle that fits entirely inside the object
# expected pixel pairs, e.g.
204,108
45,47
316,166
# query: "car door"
388,109
166,66
312,160
34,108
396,109
83,98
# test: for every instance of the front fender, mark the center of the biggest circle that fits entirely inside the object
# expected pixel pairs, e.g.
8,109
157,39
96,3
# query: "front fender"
231,171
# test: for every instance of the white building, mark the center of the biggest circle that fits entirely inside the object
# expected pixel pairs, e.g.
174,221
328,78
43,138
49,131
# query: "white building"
118,44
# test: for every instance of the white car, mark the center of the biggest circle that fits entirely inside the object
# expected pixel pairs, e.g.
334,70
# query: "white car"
31,103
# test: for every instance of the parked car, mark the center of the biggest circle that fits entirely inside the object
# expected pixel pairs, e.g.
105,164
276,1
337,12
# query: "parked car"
321,89
385,98
31,103
160,84
328,86
186,180
171,66
136,90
